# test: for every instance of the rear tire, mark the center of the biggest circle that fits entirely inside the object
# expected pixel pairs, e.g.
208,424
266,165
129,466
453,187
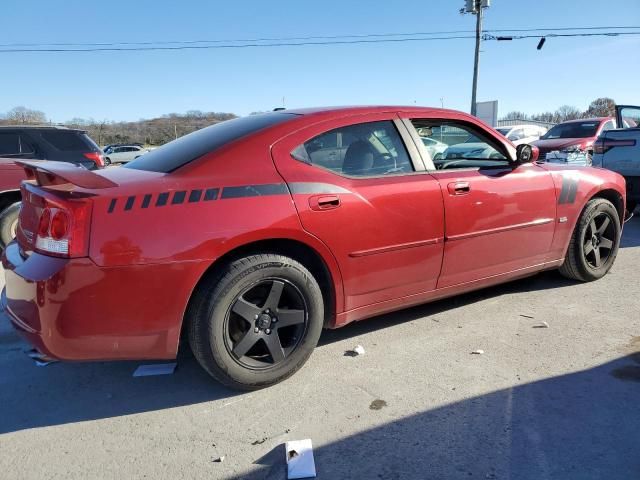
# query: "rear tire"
255,321
8,224
594,244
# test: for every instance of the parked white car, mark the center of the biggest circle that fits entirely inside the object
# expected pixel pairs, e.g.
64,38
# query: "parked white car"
519,134
434,147
123,153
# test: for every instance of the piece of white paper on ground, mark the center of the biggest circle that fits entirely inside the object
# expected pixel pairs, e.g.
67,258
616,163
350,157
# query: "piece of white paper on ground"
40,358
300,462
155,369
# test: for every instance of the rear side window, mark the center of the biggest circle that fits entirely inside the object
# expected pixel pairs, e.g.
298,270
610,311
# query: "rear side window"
66,141
361,150
15,144
9,143
185,149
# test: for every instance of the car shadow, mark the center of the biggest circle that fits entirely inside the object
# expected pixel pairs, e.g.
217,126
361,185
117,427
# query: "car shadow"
631,232
541,281
583,425
73,392
61,393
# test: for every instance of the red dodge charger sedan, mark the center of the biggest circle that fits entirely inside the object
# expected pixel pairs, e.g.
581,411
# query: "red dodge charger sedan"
250,236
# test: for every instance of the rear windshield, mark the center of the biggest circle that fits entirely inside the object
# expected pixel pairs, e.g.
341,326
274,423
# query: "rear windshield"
572,130
68,141
185,149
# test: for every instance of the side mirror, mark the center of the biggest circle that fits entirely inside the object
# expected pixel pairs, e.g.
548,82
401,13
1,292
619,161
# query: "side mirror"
527,153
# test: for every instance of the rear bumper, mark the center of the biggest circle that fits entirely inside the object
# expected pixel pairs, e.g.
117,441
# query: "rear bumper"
26,332
77,310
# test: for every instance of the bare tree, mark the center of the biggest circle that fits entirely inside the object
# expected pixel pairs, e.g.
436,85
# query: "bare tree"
25,115
567,112
515,115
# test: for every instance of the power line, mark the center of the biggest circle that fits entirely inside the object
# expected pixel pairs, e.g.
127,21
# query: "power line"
320,37
298,44
215,47
554,35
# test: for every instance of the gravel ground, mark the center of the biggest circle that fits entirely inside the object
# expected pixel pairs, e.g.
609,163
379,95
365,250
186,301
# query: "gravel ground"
540,403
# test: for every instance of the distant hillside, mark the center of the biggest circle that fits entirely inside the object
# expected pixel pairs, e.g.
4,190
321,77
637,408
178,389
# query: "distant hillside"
155,131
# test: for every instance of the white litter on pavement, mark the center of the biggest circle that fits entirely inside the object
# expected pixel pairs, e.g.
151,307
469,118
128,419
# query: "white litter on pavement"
477,352
359,350
40,358
155,369
541,325
300,462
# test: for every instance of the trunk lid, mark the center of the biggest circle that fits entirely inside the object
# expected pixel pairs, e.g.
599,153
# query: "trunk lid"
55,218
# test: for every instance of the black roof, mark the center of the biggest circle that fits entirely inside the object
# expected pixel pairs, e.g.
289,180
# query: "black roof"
40,127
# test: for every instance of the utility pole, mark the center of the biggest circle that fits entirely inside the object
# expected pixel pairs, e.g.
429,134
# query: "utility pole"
475,7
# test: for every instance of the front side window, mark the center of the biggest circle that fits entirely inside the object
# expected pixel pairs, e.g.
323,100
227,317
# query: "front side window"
457,145
362,150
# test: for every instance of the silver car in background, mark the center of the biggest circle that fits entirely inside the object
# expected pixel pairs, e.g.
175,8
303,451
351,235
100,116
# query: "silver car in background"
114,154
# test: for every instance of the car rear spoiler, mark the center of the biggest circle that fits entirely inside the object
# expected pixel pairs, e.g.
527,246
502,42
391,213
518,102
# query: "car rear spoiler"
47,173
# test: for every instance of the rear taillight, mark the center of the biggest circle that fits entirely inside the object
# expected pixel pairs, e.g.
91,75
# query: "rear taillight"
95,157
63,228
605,144
598,146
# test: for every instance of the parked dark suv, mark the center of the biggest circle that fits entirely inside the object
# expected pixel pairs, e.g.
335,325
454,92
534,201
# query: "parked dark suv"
50,143
39,143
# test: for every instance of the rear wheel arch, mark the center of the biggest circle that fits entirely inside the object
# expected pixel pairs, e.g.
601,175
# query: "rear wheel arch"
295,249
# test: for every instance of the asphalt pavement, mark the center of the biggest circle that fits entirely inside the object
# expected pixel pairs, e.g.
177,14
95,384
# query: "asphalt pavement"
561,402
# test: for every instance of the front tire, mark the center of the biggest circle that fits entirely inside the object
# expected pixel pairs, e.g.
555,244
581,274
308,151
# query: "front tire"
594,243
9,224
256,321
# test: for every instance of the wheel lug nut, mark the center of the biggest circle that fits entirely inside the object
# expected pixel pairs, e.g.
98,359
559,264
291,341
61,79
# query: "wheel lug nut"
268,331
256,316
275,319
256,330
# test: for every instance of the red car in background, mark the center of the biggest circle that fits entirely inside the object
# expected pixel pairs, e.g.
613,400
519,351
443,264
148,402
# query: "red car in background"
251,236
46,142
573,135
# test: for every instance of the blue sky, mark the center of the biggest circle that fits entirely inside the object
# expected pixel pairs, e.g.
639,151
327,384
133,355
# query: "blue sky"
133,85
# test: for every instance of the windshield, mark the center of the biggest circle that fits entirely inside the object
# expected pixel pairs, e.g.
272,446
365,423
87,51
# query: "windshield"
178,153
503,131
572,130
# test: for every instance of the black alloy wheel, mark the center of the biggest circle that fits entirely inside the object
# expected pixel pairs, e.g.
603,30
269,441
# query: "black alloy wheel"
593,246
255,321
265,323
599,239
